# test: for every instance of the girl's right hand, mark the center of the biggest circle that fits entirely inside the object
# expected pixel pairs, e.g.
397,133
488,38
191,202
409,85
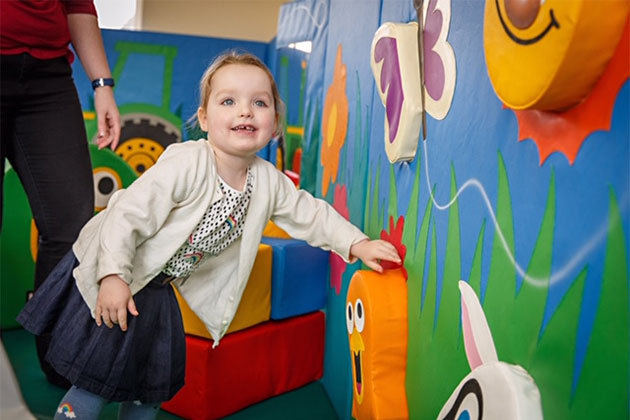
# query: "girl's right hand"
114,299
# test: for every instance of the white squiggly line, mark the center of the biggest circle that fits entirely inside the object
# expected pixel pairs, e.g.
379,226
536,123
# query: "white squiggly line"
320,6
534,281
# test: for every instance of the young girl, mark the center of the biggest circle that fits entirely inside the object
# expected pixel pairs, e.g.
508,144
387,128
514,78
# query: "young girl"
194,219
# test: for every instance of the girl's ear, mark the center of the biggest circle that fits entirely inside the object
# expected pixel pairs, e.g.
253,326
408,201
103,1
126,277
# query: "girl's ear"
201,119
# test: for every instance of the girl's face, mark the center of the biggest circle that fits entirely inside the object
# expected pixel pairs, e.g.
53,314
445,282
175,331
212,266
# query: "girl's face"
240,116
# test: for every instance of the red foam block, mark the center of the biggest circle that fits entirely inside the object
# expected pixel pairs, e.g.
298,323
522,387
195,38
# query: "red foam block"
249,366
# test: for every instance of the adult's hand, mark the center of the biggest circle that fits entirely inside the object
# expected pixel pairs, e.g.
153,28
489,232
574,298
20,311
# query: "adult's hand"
108,118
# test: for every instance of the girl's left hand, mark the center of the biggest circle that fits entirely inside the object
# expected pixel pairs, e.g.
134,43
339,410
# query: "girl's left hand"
371,252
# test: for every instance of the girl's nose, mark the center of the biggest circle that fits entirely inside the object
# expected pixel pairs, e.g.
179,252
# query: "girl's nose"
245,111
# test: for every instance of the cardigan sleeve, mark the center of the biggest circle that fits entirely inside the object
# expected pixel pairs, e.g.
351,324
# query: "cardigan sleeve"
314,220
138,212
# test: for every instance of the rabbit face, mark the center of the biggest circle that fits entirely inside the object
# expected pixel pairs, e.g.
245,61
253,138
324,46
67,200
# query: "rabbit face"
493,390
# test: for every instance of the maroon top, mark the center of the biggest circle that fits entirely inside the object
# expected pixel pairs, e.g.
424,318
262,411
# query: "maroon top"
39,27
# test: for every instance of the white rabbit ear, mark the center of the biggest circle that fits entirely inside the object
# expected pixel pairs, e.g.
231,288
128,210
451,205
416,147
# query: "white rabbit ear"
477,336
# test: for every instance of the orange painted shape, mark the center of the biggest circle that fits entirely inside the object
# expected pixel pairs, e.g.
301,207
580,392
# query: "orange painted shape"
376,318
566,131
334,123
255,305
34,240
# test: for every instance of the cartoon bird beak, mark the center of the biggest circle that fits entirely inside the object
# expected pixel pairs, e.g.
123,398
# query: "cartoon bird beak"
357,347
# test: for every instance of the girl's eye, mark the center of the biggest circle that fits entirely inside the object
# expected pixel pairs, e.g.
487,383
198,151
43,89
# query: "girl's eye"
227,102
261,103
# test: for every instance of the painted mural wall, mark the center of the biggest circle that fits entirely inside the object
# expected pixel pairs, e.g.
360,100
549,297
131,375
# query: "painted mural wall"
520,189
524,197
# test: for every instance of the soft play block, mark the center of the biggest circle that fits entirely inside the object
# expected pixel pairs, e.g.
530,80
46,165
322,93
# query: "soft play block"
298,277
255,305
273,231
249,366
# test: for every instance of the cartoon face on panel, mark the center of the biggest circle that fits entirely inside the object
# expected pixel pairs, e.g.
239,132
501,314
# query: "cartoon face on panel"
376,319
493,390
555,49
355,322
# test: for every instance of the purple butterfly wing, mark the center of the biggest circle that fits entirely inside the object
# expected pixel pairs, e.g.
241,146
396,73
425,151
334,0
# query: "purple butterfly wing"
391,82
434,76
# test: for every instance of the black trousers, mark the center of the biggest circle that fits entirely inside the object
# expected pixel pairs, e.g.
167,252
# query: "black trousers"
43,137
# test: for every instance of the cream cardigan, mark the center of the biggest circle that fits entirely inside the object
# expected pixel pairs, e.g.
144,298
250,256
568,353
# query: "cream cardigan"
145,224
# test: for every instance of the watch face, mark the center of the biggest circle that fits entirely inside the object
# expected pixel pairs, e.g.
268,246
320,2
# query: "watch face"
102,82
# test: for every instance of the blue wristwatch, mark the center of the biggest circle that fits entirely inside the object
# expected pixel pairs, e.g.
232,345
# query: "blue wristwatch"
100,82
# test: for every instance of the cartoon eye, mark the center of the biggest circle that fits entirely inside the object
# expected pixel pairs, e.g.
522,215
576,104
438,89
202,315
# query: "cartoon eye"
106,183
359,319
468,404
349,317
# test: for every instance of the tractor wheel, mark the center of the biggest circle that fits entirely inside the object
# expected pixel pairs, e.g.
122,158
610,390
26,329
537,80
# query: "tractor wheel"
143,138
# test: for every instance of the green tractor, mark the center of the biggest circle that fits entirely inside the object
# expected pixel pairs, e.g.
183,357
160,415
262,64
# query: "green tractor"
146,129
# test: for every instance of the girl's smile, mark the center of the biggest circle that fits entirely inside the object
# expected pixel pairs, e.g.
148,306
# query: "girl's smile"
247,128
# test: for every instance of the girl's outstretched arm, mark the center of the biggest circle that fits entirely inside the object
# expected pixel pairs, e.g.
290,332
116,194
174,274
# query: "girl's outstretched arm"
371,252
114,299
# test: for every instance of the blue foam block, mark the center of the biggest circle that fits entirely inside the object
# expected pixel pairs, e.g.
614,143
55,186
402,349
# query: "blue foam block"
299,274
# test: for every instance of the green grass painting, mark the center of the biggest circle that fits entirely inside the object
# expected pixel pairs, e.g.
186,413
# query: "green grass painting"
436,360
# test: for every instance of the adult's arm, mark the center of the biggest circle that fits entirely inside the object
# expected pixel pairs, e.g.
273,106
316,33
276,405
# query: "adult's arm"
88,44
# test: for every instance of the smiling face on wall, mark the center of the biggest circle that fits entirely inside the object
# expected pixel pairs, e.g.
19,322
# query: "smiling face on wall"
547,54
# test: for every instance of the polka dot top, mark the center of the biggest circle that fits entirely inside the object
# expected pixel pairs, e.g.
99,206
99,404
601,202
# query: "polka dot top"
220,225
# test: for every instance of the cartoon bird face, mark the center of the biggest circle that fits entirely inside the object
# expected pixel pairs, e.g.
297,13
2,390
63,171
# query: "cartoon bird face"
376,319
547,55
355,322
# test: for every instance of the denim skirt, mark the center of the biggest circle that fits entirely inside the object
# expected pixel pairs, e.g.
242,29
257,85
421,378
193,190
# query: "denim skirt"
145,363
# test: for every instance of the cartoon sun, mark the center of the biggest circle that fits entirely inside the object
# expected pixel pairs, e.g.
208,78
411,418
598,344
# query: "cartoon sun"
559,65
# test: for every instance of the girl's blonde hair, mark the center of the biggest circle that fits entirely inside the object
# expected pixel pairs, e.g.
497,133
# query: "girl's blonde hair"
244,58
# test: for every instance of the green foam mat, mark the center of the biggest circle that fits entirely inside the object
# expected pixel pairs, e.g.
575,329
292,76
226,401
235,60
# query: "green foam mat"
307,403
